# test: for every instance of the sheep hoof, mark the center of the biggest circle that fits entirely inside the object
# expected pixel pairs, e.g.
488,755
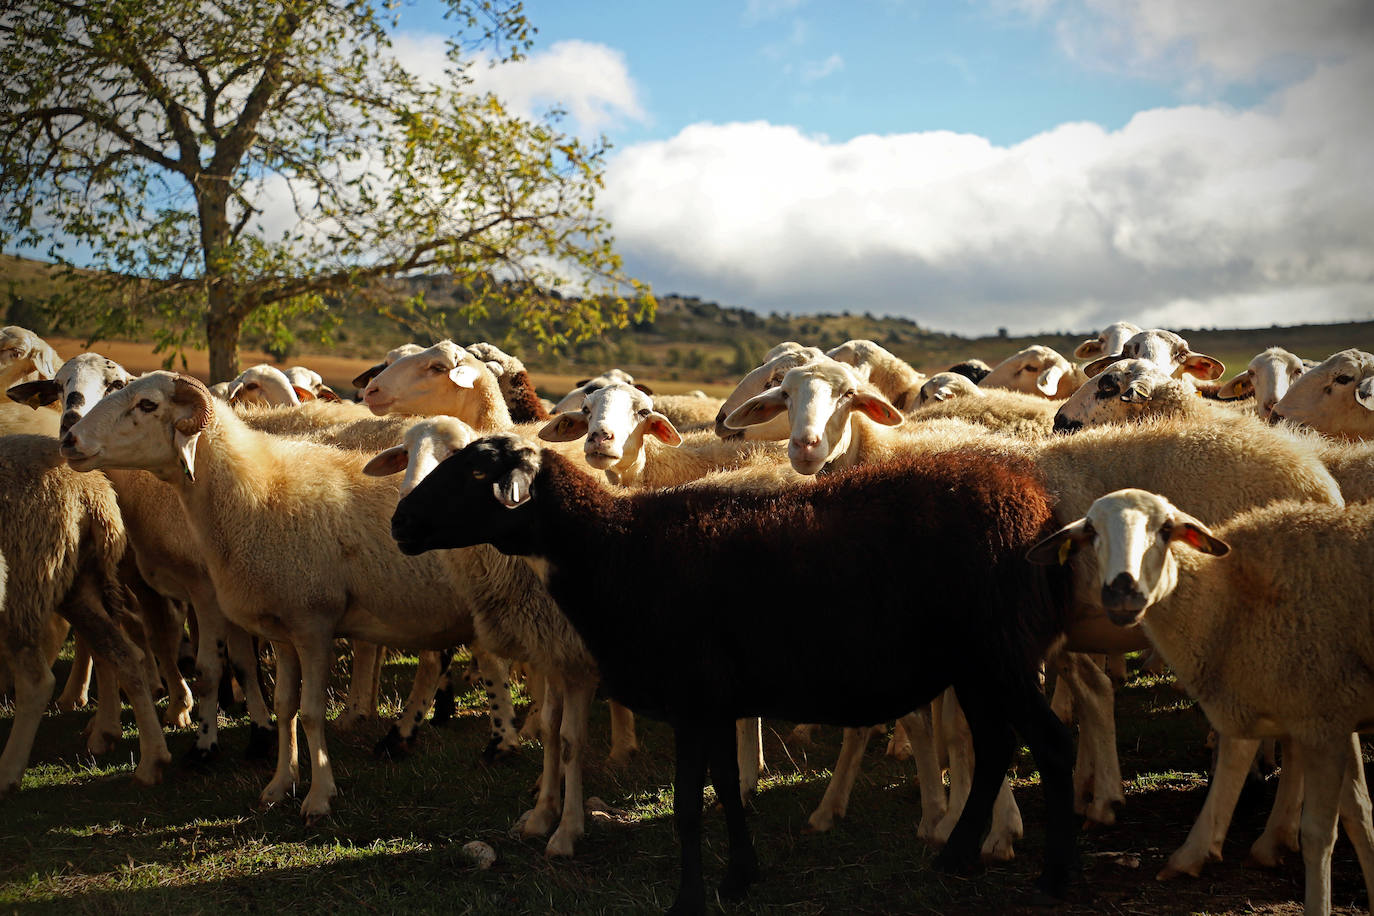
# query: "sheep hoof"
101,742
1171,871
393,746
444,706
198,757
735,886
494,752
261,741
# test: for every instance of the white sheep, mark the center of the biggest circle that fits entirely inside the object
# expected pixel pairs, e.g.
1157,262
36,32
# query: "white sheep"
1035,370
776,362
1266,379
1165,349
574,398
266,385
303,379
999,410
1335,398
891,375
1108,341
63,541
1276,639
943,386
442,380
367,375
309,539
25,357
523,402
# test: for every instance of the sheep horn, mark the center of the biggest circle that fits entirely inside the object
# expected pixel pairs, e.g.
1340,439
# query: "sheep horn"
192,391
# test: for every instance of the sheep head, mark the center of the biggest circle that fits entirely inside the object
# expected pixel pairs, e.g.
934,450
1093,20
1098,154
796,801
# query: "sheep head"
1335,397
153,423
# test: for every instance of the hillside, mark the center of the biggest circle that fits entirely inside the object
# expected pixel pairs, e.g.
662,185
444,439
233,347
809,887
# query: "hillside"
690,342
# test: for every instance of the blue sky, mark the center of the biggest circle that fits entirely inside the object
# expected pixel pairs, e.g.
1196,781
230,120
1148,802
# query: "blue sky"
1029,164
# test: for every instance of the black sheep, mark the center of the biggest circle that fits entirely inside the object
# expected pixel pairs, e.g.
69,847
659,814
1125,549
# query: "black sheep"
911,578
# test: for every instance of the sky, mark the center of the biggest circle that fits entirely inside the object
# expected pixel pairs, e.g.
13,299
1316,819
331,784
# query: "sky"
977,164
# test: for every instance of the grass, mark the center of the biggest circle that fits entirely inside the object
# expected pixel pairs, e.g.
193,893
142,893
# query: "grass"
82,838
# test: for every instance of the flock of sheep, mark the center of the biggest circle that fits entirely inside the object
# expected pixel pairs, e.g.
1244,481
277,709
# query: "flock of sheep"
1051,515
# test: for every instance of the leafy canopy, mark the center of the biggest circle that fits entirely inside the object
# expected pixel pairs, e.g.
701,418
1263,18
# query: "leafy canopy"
237,160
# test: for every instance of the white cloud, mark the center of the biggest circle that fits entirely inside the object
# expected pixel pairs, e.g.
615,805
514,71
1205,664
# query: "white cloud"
1197,214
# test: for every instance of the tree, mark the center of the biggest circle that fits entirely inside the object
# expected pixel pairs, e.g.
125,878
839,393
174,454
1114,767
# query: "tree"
158,139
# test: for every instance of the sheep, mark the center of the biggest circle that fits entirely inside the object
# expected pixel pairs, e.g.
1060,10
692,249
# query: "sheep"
688,412
684,549
362,379
1109,340
1035,370
266,385
303,379
442,379
975,370
1266,379
63,541
167,556
776,363
999,410
522,400
573,399
1232,465
943,386
263,525
1165,349
1275,640
1335,398
516,618
25,357
889,374
1352,464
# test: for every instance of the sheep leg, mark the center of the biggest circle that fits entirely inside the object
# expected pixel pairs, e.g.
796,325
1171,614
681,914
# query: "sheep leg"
287,702
97,610
1116,668
505,738
1094,700
689,778
959,746
316,659
624,742
210,657
242,654
102,732
1281,829
538,821
577,705
749,742
1356,815
1328,767
1007,827
33,685
1209,830
76,692
164,627
920,728
899,742
532,727
400,739
992,743
835,803
1051,745
743,865
361,703
803,734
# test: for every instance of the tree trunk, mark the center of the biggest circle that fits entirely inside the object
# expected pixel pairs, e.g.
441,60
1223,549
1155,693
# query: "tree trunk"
223,319
222,332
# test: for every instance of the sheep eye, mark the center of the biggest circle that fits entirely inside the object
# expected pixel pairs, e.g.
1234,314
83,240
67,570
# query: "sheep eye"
1108,387
116,385
147,406
586,410
478,475
251,386
644,411
1344,379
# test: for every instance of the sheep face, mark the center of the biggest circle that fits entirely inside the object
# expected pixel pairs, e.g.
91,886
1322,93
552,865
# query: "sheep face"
1035,370
1111,340
1165,349
1119,395
23,353
615,419
818,399
1335,398
943,386
426,444
423,383
82,381
151,424
308,380
1130,532
478,495
573,399
367,375
780,360
1267,379
267,386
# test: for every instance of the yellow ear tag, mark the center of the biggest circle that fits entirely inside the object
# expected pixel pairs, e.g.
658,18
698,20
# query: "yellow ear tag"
1064,547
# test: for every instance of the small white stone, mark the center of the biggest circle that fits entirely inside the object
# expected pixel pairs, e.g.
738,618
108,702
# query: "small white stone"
479,854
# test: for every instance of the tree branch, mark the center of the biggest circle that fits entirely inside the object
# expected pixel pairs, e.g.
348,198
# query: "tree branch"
102,121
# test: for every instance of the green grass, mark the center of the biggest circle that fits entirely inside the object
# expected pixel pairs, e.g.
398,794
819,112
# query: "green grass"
82,838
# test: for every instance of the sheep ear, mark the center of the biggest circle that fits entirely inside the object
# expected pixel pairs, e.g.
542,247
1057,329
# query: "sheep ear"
662,429
875,407
581,383
1048,380
645,388
190,393
45,361
1088,349
1098,365
1056,549
392,461
1190,531
565,427
232,395
515,488
494,367
759,409
1364,393
305,394
367,375
327,394
1200,365
1138,392
36,394
1234,389
464,376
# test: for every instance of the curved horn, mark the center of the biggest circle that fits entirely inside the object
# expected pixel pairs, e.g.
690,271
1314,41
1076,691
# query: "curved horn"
192,391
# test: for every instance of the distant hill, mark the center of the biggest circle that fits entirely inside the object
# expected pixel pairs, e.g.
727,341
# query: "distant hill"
689,340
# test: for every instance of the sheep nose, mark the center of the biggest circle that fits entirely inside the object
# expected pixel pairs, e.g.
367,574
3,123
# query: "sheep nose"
69,443
724,431
69,419
1063,424
1274,416
601,435
806,442
1122,592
